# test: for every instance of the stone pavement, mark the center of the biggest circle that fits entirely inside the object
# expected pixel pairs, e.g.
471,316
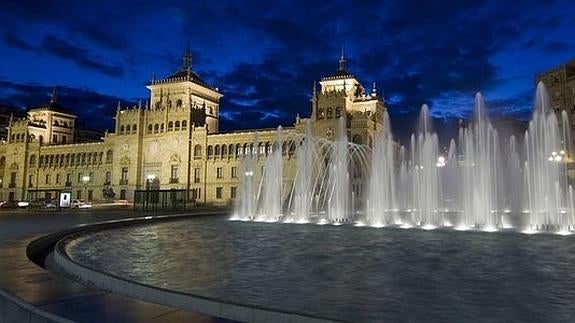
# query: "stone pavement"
30,293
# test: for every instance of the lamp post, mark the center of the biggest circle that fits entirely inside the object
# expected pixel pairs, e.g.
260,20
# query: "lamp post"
85,180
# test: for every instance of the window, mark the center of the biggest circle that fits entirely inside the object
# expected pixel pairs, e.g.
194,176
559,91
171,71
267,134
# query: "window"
156,128
210,151
91,176
108,177
12,179
128,129
122,130
234,172
177,125
32,161
233,192
197,172
170,126
134,128
174,172
68,179
184,125
219,172
90,195
122,194
64,139
109,156
198,151
219,191
79,194
57,178
150,128
31,180
124,173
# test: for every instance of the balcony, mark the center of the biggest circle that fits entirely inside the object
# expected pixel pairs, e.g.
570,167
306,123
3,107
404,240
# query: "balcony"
174,181
123,182
68,184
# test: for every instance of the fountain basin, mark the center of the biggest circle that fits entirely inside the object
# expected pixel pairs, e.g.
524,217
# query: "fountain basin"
343,272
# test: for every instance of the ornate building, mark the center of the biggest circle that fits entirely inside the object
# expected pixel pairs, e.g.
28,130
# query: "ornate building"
172,142
560,83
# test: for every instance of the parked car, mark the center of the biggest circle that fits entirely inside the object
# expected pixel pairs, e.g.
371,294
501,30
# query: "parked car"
23,204
8,204
41,203
81,204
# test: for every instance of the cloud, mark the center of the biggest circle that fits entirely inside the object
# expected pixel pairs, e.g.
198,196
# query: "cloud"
65,50
15,41
95,110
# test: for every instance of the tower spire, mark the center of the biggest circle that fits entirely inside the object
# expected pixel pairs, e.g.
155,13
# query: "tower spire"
54,96
187,60
342,61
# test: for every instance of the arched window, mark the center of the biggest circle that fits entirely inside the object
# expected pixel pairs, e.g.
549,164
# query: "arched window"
231,150
128,129
224,150
134,128
261,148
162,127
329,113
17,137
109,156
217,151
184,125
2,161
320,114
268,148
179,103
210,151
198,151
32,160
156,128
338,112
239,150
357,139
170,126
150,128
246,149
122,130
177,126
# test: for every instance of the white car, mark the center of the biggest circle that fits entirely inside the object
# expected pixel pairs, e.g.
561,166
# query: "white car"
81,204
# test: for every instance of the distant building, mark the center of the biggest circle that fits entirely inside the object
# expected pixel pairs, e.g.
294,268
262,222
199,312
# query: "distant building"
7,113
560,83
172,142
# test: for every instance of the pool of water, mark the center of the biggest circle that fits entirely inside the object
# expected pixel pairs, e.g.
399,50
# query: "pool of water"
345,272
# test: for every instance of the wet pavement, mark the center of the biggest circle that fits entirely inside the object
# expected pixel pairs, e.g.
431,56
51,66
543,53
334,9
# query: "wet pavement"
55,295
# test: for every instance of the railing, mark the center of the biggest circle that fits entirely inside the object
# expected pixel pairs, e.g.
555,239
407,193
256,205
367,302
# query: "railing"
174,181
107,183
68,184
123,182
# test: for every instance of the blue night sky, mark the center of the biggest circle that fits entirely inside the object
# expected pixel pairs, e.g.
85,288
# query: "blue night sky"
265,55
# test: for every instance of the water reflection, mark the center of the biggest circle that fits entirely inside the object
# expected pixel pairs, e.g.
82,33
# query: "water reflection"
351,273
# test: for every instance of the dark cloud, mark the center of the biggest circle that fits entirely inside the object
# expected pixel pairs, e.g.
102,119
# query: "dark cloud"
64,49
14,40
95,110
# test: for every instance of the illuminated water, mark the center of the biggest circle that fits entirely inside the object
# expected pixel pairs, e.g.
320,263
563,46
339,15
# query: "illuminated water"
480,182
358,274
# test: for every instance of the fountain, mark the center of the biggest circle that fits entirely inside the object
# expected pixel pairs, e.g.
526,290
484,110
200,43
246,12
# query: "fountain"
477,184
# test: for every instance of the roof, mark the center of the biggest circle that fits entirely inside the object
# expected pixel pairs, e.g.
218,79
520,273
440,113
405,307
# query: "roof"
182,76
52,106
339,74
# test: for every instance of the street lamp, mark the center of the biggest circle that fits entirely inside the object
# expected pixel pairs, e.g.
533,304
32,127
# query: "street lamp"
85,180
440,161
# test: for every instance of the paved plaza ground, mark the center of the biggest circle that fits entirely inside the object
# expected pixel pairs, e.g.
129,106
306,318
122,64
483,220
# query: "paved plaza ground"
26,289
